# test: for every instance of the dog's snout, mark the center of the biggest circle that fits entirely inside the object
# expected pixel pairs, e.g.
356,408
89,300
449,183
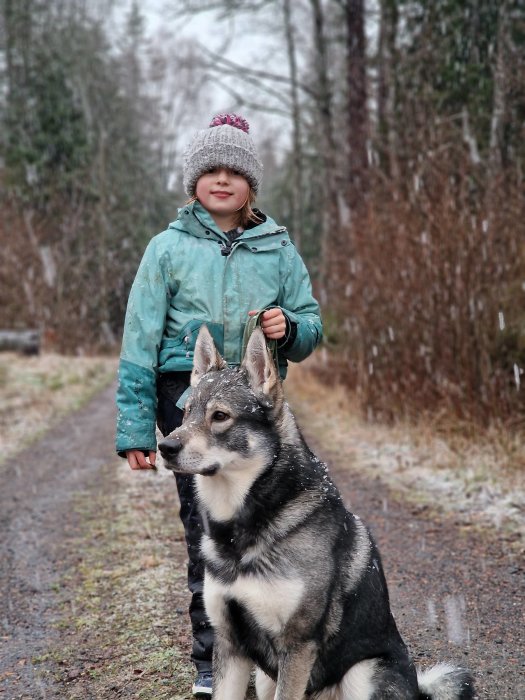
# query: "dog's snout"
169,447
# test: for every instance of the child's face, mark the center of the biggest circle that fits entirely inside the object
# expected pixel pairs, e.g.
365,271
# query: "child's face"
222,191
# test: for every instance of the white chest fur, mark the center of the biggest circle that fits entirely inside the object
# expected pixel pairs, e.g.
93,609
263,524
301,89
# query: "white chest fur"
271,602
223,494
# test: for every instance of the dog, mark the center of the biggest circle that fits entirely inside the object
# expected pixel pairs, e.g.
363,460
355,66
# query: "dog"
293,581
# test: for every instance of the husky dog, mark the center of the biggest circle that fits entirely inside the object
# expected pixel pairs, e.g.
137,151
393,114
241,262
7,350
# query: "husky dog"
294,582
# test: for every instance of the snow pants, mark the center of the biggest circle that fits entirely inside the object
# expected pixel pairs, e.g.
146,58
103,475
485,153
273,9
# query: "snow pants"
170,386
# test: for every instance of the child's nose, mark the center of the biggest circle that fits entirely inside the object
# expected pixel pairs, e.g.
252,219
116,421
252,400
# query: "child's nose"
222,175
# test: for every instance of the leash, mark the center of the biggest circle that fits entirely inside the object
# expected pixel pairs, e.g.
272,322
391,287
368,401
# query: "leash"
250,326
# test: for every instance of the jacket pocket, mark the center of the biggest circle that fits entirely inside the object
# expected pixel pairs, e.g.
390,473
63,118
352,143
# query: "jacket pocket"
183,345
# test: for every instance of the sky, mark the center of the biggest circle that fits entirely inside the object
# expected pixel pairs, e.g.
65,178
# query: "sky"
244,45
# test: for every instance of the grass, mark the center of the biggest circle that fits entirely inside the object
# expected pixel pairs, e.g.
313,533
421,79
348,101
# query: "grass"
476,476
35,392
122,599
123,596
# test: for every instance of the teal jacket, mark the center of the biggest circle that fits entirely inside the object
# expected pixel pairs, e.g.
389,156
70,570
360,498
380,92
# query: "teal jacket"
184,280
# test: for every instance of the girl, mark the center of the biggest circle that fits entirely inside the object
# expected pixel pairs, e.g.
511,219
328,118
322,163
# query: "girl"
219,263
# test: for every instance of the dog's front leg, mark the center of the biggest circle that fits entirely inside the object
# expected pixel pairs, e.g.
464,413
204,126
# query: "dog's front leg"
231,671
294,671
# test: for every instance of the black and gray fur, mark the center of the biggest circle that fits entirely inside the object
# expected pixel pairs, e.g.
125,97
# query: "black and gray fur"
294,582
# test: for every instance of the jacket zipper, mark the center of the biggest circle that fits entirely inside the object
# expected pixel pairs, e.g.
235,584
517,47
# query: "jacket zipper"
262,235
226,252
226,249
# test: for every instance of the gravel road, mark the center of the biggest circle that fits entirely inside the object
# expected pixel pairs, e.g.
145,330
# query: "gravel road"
457,595
35,505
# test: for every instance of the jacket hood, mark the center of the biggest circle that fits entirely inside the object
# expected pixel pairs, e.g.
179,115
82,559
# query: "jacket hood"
197,221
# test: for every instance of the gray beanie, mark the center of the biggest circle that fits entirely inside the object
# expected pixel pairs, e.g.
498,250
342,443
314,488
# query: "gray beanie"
225,143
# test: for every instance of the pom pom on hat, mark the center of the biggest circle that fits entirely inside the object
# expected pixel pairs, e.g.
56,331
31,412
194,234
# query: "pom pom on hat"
231,119
225,143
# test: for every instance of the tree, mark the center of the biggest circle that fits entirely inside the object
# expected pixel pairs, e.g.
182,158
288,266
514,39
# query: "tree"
387,87
297,174
75,166
357,91
327,150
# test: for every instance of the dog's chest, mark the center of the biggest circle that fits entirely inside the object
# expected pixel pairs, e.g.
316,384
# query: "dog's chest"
270,602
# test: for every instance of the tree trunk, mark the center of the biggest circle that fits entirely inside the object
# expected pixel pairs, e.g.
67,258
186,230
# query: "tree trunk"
357,108
297,154
496,144
17,29
26,342
386,89
357,183
330,249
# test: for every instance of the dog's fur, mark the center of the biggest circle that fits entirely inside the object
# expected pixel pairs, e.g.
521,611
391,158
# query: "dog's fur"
294,582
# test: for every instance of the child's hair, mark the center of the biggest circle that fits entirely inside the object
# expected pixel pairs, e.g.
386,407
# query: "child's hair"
246,214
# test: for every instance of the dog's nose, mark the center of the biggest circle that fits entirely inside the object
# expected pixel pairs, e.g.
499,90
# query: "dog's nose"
169,447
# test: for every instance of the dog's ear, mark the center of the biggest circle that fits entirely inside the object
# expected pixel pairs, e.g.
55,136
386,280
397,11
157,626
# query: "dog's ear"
205,358
262,372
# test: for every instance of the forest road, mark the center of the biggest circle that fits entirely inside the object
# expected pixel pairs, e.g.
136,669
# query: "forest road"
36,512
457,596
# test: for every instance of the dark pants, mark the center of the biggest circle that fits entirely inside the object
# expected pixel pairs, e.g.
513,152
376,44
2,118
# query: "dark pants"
170,387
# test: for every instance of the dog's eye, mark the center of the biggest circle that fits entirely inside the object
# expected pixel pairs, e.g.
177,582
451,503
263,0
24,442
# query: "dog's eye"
220,416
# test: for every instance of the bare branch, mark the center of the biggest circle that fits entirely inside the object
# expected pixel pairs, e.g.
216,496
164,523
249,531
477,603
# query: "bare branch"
252,73
241,101
237,6
284,98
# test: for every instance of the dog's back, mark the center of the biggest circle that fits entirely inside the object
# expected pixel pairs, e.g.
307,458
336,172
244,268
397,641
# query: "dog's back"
294,581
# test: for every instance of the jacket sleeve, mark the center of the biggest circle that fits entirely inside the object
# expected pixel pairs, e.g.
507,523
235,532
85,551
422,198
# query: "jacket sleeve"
143,330
299,305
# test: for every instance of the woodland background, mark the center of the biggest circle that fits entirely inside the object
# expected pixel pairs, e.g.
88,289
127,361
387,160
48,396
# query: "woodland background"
402,180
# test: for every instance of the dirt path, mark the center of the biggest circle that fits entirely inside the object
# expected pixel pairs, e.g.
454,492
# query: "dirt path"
92,579
456,596
38,487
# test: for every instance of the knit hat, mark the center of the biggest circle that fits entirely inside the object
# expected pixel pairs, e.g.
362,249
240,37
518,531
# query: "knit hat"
227,143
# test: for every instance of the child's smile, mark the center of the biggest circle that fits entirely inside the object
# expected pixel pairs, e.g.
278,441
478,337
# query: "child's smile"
223,192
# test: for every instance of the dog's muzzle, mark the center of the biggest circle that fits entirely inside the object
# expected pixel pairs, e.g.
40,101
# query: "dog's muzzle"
170,448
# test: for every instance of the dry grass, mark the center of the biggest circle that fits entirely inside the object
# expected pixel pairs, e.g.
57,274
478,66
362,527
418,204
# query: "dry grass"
478,476
122,618
36,391
122,604
122,598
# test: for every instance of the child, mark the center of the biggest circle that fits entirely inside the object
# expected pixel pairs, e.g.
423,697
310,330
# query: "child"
219,263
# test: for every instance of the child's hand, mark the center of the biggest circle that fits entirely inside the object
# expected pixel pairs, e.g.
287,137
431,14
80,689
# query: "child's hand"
137,459
273,323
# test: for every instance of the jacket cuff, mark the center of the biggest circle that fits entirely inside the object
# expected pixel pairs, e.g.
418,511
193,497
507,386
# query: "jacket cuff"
122,453
290,334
